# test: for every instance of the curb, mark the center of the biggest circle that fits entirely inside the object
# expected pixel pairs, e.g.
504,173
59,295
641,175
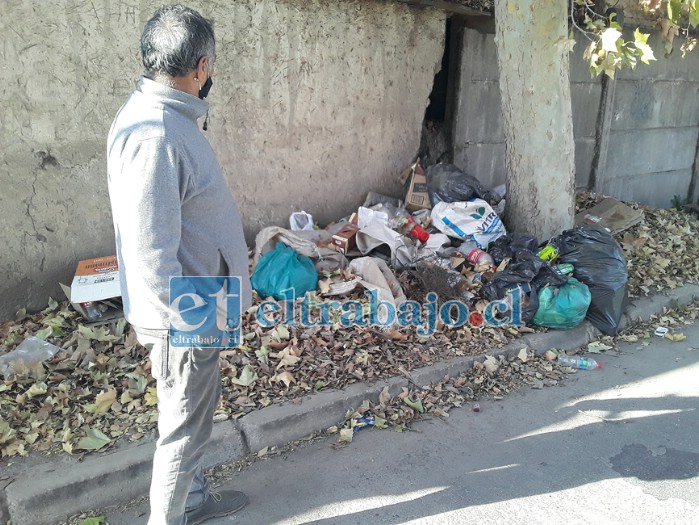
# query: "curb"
53,491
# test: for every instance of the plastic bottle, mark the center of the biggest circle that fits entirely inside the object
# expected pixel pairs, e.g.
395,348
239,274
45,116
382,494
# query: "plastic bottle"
403,222
475,255
415,230
92,311
576,361
564,269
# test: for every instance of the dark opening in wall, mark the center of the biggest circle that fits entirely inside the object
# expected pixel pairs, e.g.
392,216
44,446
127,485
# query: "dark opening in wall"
437,110
435,143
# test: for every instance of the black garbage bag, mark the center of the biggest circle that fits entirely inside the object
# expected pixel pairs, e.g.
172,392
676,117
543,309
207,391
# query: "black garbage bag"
600,264
447,183
528,272
547,276
506,246
529,296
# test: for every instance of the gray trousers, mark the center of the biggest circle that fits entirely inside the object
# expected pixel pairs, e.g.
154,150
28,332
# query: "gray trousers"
188,387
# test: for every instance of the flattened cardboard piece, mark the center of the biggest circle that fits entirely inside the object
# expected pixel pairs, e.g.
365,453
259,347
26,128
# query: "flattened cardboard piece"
610,214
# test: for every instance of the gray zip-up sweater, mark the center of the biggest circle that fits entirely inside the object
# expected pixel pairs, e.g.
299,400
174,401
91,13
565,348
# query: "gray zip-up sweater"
173,212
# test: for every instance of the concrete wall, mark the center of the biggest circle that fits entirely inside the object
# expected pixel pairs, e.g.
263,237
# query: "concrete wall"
314,104
654,130
479,144
651,135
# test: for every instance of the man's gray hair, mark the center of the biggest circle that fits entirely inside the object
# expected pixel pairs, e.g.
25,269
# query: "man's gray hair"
174,40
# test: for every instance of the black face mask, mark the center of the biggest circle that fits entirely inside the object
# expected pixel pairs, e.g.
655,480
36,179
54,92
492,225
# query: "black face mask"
204,90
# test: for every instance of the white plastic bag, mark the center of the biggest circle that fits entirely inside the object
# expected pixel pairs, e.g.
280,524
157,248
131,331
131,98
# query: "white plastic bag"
29,352
367,216
300,220
473,220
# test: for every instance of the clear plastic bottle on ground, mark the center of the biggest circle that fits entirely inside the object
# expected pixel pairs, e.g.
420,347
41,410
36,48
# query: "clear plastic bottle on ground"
92,311
576,361
476,256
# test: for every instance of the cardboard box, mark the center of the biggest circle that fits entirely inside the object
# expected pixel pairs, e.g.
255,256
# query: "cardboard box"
345,239
95,280
415,184
111,309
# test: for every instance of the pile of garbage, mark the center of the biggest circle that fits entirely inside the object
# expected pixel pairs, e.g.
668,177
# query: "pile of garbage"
447,238
86,382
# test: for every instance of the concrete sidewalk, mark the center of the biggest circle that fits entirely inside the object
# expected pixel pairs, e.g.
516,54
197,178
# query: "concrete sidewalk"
613,446
49,492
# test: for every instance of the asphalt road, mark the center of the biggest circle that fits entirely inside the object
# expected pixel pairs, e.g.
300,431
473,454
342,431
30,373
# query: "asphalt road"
615,445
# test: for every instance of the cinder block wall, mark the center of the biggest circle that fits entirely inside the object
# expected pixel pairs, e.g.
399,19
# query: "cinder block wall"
649,142
315,102
654,130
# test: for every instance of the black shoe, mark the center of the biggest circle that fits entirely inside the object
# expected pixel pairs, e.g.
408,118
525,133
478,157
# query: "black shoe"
216,505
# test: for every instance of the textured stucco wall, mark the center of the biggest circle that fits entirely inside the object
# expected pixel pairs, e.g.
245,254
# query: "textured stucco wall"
315,102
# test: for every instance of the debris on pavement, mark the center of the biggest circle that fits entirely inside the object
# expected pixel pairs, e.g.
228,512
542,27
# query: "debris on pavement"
563,307
584,363
98,390
474,220
661,331
95,291
446,183
284,269
28,354
415,183
599,263
493,378
611,214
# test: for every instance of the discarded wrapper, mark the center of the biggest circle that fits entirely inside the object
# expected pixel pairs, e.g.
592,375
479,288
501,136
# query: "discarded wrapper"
661,331
343,287
363,422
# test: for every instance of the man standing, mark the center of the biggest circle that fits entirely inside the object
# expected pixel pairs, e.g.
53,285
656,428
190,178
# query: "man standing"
174,216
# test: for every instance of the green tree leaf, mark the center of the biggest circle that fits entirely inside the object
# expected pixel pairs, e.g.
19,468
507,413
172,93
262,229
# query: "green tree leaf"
644,50
415,405
96,520
694,13
247,377
94,440
44,333
610,38
674,10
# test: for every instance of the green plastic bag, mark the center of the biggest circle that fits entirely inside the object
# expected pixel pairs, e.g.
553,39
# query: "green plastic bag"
563,307
283,269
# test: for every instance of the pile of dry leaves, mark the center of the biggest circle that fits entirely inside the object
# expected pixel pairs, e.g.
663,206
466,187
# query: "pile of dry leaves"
494,377
662,251
98,390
